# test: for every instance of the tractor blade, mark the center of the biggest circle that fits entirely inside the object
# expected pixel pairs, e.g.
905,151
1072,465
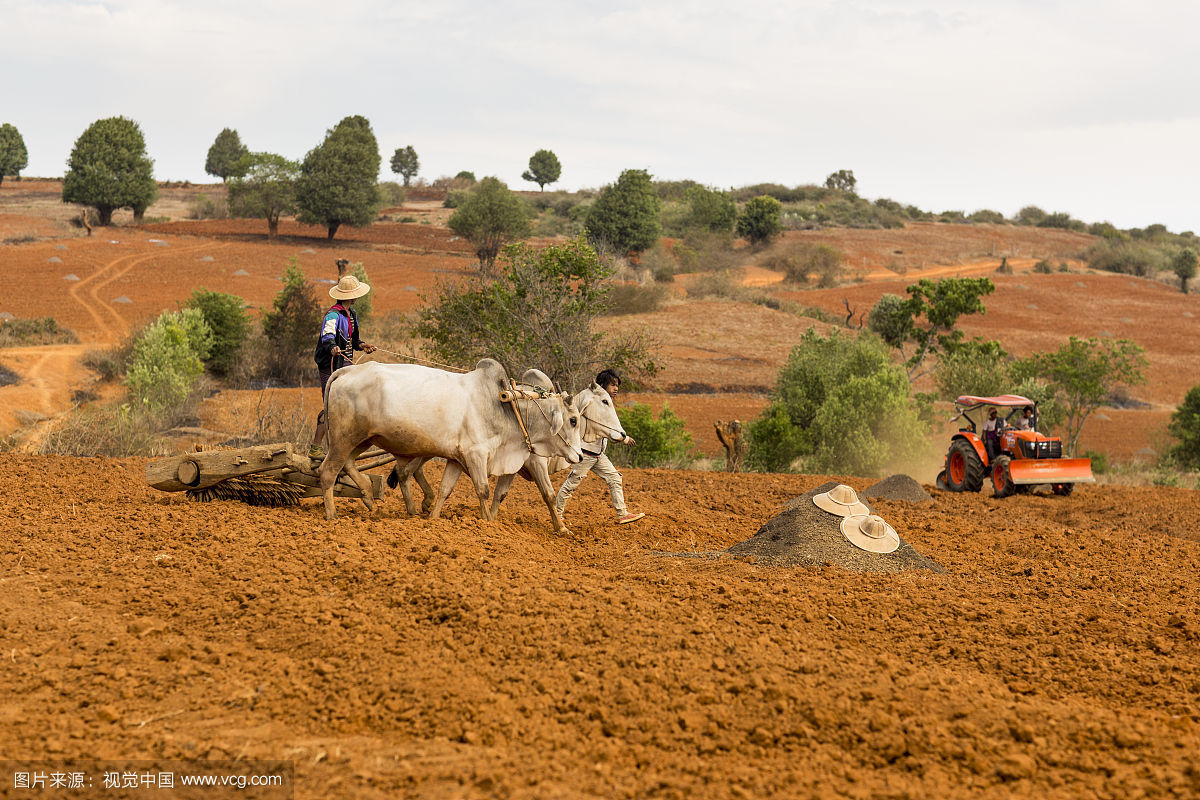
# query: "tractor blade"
1026,471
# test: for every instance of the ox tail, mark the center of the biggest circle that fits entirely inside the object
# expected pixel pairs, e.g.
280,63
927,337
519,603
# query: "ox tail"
393,478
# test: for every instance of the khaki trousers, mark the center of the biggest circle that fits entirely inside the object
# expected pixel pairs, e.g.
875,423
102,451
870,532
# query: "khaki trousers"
602,467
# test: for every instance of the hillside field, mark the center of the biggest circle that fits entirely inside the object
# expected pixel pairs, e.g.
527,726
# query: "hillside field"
1056,656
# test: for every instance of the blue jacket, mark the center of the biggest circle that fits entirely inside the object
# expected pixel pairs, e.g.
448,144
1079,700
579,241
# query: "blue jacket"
339,329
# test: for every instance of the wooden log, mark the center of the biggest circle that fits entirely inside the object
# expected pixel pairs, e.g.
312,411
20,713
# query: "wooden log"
731,437
200,470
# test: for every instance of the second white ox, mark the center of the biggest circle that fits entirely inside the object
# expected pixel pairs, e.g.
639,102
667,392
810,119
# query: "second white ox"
598,420
419,412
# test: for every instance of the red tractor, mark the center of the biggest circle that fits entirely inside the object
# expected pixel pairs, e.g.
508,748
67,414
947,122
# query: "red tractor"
1009,451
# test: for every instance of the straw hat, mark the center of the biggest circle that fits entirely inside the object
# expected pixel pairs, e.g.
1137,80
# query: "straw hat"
869,532
349,288
840,500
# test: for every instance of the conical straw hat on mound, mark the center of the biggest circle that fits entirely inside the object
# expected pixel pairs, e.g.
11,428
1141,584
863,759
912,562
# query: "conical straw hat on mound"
805,535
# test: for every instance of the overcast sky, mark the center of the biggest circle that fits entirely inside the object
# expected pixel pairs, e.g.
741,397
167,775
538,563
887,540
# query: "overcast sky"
1086,107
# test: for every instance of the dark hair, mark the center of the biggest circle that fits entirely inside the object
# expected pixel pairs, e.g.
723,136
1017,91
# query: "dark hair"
608,376
1027,408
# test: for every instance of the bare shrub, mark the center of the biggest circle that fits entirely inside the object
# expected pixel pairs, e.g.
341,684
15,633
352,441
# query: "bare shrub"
205,207
632,298
726,283
34,331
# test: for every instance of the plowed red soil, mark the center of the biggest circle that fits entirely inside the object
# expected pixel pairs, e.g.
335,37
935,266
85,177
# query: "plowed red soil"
1059,656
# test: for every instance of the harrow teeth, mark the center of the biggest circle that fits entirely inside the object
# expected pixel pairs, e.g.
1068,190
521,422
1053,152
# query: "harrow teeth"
267,492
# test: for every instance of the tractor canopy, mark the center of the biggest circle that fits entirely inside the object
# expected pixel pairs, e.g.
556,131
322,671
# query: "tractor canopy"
968,401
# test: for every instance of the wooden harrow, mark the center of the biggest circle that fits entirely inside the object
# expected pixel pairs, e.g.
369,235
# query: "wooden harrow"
264,475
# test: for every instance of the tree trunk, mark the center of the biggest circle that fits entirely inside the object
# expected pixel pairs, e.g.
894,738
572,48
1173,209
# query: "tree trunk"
333,229
731,438
272,228
1183,283
104,216
139,214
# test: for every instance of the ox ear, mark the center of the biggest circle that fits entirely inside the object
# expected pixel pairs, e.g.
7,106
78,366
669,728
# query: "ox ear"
556,421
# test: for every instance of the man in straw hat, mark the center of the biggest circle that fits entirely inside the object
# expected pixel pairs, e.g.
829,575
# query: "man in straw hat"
339,339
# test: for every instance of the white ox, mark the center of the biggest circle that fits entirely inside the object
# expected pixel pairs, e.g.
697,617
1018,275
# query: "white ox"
419,412
599,420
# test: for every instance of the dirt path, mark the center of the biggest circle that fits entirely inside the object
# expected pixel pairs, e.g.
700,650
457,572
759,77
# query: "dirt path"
110,325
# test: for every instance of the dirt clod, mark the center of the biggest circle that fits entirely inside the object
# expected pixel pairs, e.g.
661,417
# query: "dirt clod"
898,487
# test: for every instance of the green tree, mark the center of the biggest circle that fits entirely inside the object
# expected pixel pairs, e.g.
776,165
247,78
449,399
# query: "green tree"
405,163
13,155
339,178
976,367
842,180
710,209
465,175
759,222
291,327
626,214
1185,426
1184,265
109,169
264,186
489,216
662,439
226,317
225,154
167,359
928,316
833,391
1085,372
543,169
539,309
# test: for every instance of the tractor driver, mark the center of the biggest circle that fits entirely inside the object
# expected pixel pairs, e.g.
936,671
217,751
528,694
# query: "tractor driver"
1025,421
991,433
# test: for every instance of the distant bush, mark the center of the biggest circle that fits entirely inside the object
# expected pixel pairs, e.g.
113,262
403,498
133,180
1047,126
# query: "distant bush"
1128,258
759,220
114,431
1005,268
34,331
798,260
986,215
840,407
726,283
391,193
662,440
168,358
455,198
1030,215
1099,461
710,209
1043,267
226,317
631,298
660,262
205,207
291,327
1185,427
703,251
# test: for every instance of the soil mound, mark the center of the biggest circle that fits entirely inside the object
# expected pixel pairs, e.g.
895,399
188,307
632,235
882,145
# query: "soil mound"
804,535
899,487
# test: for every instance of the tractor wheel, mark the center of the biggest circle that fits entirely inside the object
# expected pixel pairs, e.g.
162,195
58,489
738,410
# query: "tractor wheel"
964,470
1002,483
1063,489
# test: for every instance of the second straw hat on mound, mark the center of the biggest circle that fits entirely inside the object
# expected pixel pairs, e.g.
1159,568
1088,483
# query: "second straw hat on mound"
869,532
840,500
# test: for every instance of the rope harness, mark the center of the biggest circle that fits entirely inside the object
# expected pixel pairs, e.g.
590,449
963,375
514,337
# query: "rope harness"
518,392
